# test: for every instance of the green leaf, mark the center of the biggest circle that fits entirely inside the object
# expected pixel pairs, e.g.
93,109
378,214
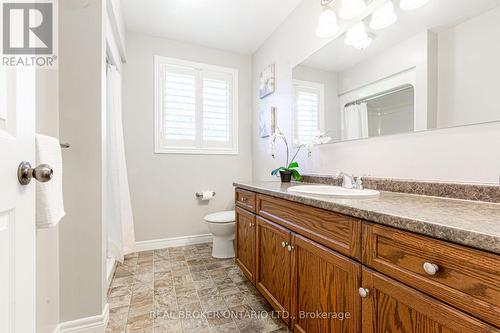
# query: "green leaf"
275,171
296,175
293,165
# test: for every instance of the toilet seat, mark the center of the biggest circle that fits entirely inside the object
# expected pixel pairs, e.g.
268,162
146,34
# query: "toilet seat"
221,217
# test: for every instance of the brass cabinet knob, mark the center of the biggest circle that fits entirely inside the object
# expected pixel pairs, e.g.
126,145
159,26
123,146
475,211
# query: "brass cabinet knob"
43,173
430,268
284,244
364,292
290,248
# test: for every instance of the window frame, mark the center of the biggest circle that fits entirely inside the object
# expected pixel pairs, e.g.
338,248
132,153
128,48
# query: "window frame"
159,146
321,108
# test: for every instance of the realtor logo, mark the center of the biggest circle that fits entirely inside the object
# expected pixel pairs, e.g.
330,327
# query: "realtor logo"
27,28
28,33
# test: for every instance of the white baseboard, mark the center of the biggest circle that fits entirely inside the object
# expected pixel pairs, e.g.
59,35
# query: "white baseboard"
94,324
110,269
156,244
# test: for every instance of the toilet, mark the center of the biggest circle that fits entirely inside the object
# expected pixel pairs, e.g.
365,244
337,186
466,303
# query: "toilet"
222,225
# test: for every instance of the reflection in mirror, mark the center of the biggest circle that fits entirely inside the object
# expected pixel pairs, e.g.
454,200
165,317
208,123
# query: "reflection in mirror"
436,67
390,112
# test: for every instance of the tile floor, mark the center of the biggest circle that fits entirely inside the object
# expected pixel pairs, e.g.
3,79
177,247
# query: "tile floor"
184,289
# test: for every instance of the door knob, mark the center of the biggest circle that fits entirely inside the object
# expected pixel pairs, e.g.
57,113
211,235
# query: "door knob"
364,292
43,173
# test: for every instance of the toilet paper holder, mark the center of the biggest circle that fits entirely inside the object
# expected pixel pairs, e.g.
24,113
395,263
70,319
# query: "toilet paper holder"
200,194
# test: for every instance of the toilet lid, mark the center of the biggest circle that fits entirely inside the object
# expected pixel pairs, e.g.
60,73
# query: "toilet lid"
221,217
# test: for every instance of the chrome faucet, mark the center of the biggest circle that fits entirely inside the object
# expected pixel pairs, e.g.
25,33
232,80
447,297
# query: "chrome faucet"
350,181
359,183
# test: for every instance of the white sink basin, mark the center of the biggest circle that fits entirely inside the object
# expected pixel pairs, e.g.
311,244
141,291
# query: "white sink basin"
334,191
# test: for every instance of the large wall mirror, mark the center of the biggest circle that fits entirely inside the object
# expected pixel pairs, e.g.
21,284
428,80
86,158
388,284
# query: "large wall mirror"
436,66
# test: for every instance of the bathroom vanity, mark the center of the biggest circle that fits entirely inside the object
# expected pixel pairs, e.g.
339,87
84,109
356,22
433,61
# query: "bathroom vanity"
397,263
424,259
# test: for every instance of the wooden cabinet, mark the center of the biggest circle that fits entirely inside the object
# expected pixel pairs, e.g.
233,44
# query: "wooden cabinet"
325,289
273,273
245,242
391,307
313,265
465,278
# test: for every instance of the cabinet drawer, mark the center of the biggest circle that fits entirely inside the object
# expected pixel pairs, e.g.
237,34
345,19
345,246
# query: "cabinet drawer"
245,199
465,278
338,232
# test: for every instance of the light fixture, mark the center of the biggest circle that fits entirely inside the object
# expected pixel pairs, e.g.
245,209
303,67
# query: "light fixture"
351,9
412,4
327,23
383,17
356,34
364,44
357,37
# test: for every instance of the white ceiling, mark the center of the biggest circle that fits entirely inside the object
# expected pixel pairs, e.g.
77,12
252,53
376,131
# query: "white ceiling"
234,25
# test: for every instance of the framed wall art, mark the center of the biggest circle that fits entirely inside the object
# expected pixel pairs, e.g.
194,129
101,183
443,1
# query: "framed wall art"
267,81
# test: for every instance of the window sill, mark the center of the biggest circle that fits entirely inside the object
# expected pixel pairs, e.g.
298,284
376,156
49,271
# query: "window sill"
187,151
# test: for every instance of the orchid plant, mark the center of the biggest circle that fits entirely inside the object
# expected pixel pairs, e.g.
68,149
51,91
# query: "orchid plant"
292,165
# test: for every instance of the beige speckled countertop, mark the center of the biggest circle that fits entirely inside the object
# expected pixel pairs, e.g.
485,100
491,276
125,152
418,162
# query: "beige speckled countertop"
472,223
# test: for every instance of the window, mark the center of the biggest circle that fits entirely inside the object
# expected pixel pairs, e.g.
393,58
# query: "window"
308,110
195,108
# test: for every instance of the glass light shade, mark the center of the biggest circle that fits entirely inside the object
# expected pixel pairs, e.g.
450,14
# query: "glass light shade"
364,44
351,9
383,17
356,34
412,4
327,24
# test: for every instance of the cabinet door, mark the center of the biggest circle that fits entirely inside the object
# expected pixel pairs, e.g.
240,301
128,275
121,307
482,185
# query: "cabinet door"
245,242
392,307
325,289
273,265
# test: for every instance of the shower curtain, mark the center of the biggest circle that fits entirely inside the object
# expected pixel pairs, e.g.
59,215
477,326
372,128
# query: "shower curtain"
355,122
121,238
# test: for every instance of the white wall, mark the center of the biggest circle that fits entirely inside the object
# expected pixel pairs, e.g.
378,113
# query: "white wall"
469,71
163,186
81,100
48,273
47,240
459,154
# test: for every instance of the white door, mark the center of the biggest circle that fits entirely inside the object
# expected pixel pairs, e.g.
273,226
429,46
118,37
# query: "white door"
17,202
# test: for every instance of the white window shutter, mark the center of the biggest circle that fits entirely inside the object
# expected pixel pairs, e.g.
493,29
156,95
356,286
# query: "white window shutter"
308,111
217,107
179,105
195,107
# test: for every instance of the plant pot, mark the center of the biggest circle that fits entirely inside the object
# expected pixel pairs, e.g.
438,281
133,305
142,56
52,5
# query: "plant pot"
286,176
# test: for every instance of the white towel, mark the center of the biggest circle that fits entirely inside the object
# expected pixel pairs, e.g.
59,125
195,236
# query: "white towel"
49,195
